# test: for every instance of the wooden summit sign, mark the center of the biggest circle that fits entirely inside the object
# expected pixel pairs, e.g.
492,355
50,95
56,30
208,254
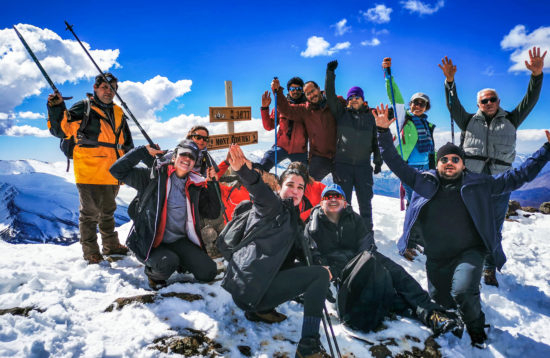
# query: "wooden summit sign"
225,140
224,114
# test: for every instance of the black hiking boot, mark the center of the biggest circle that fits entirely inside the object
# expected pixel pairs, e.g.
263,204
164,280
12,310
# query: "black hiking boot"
311,347
490,277
476,330
156,284
269,317
443,322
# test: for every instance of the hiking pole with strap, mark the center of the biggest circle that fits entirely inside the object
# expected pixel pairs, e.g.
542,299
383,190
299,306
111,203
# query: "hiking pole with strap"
326,316
48,79
211,163
387,72
275,113
123,104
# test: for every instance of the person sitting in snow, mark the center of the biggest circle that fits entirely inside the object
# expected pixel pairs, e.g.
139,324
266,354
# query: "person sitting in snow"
166,213
263,274
340,235
454,211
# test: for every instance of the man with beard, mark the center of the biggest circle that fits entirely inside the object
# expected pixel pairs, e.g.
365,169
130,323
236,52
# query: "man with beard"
451,208
291,135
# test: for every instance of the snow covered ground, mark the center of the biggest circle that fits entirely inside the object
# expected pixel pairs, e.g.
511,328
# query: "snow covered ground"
71,298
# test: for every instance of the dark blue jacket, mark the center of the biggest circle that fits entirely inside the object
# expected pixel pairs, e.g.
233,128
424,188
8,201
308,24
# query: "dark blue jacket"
477,191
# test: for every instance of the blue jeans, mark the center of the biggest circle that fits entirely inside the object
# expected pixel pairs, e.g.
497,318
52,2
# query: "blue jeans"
408,189
268,161
500,207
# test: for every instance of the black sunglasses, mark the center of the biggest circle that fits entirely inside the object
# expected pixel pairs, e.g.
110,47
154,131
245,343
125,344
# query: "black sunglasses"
292,89
419,103
445,160
199,137
487,100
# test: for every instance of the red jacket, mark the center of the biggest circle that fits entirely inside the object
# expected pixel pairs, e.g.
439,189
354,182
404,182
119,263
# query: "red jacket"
320,124
313,195
231,197
292,140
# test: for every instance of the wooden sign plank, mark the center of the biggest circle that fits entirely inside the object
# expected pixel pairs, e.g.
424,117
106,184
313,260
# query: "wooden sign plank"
226,114
225,140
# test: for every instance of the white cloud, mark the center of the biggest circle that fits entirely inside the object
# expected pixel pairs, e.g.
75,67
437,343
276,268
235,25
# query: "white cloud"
419,7
318,46
520,41
63,60
20,131
373,42
341,27
489,71
379,14
30,115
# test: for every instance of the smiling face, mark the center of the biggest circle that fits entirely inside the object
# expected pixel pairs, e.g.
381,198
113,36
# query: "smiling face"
313,94
295,91
333,203
418,107
492,102
355,102
293,187
183,164
198,137
448,169
104,92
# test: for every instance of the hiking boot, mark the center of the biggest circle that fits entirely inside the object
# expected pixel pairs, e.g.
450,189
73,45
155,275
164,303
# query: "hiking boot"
157,284
269,317
311,347
94,259
410,254
490,277
443,322
116,250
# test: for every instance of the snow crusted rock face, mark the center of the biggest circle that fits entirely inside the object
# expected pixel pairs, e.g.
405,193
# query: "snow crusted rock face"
39,203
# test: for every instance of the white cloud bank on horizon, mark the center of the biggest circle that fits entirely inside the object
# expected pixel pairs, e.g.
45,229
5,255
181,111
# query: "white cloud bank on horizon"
422,8
341,28
318,46
379,14
521,42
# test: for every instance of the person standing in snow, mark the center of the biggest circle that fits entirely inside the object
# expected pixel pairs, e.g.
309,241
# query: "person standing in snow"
340,235
356,142
102,135
489,135
167,210
291,135
455,214
262,274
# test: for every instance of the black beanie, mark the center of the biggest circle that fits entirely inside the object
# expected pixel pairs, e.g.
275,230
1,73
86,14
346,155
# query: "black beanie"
295,81
450,148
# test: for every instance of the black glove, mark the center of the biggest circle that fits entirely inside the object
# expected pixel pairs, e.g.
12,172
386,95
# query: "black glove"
331,66
377,168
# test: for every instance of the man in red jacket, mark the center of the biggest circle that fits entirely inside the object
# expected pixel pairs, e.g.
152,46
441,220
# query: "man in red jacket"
291,135
320,126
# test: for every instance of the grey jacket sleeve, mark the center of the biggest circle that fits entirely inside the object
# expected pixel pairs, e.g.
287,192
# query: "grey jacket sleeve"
458,113
518,115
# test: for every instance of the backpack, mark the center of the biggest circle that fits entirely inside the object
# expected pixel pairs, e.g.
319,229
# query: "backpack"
366,293
232,237
67,144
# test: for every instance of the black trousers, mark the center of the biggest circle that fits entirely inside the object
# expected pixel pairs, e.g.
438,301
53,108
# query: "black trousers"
166,258
312,281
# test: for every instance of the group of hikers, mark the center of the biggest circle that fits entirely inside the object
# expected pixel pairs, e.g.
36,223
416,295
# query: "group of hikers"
289,237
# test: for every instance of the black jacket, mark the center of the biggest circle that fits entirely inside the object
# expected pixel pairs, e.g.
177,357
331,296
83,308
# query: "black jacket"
253,267
148,208
338,243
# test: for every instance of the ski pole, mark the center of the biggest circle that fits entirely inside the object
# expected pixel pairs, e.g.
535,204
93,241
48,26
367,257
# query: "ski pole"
210,162
35,59
126,109
275,113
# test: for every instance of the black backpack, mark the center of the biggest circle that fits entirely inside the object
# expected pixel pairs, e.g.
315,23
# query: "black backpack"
366,293
67,144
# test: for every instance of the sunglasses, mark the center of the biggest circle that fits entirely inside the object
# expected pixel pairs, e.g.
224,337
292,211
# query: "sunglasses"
199,137
293,89
419,103
445,160
333,196
351,98
487,100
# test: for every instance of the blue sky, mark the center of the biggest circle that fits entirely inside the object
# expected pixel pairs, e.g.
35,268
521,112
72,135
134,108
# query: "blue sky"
173,58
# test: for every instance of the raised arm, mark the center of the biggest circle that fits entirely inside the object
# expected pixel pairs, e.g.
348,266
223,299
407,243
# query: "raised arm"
458,113
268,120
335,106
124,169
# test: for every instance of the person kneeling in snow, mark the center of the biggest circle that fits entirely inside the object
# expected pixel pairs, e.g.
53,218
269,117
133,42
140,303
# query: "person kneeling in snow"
452,208
341,235
166,211
261,273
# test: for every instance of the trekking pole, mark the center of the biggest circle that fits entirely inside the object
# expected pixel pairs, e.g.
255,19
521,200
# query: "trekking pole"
210,162
387,71
452,122
275,113
35,59
307,254
123,104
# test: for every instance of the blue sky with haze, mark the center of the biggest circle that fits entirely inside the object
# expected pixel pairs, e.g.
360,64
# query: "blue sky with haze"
173,57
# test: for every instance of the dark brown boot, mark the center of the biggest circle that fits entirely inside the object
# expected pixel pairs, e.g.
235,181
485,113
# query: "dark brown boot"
269,317
490,277
94,259
115,250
